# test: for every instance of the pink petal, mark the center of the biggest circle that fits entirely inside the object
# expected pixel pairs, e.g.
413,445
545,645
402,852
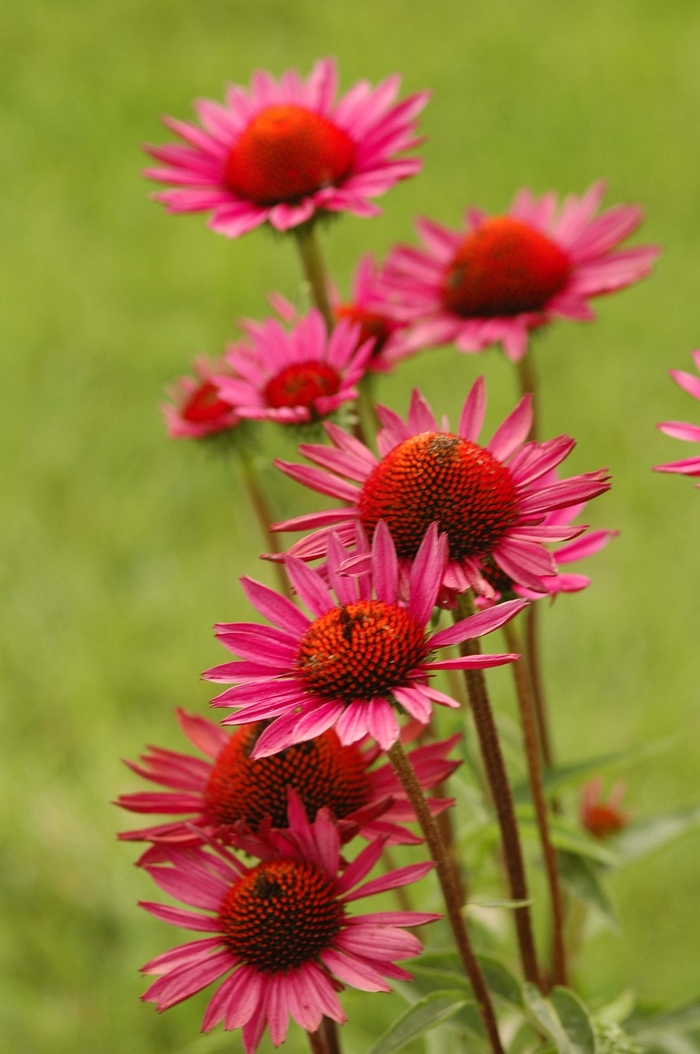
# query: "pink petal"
385,566
513,431
426,575
276,608
353,971
401,876
210,738
319,480
382,723
310,586
478,625
472,419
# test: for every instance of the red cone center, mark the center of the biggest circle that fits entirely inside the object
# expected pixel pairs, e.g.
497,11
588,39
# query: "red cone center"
439,476
372,326
204,405
301,384
286,153
321,771
280,915
603,820
360,650
504,267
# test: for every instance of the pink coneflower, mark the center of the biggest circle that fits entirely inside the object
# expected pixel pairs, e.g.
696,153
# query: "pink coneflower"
368,307
490,501
294,377
196,409
502,276
602,818
232,787
283,927
679,430
282,152
359,662
589,543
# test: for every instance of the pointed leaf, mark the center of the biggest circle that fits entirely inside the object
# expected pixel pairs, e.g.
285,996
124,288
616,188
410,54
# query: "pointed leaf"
546,1019
575,1020
581,877
645,836
423,1015
682,1019
500,980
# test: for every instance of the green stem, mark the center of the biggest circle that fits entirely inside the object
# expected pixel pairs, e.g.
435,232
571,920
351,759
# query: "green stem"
256,496
527,377
500,793
534,769
315,270
532,651
409,782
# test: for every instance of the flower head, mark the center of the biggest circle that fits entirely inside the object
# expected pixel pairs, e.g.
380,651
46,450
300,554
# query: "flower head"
679,430
294,377
231,787
282,927
502,276
490,501
196,409
602,818
285,150
359,662
370,309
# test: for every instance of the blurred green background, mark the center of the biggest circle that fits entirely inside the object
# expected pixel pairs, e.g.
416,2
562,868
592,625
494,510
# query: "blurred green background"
119,549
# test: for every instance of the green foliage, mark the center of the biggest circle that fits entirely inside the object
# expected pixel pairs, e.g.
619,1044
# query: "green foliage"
427,1013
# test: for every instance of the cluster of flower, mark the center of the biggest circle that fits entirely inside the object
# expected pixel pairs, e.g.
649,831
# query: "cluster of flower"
318,698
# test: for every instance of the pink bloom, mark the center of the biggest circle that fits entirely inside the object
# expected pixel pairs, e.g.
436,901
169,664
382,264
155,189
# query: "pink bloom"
358,661
369,307
294,377
602,818
679,430
282,152
232,787
587,544
502,276
282,927
490,501
196,409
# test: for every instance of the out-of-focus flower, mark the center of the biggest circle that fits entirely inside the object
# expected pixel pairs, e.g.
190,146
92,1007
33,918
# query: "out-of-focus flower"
285,150
361,660
297,376
490,501
231,787
196,409
502,276
368,307
282,926
602,818
679,430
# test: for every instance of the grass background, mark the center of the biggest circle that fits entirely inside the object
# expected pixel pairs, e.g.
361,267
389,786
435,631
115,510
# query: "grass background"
118,549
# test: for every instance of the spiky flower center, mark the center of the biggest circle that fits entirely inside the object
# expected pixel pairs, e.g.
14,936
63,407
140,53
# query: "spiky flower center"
439,476
504,267
286,153
372,326
321,771
280,915
301,384
204,405
360,650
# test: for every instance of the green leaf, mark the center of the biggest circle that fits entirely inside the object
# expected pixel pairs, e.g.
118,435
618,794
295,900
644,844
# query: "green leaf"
545,1018
645,836
557,779
512,904
582,878
575,1020
565,836
619,1010
500,980
682,1019
423,1015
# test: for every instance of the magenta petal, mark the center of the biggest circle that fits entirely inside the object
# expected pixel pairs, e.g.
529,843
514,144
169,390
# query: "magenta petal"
173,988
385,566
354,972
472,419
426,574
187,920
402,876
414,701
513,431
478,625
245,998
471,662
310,586
303,1006
360,866
318,720
274,607
382,723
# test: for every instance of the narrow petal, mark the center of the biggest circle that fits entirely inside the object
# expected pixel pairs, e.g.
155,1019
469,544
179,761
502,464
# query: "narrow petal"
513,431
310,586
276,608
385,566
472,419
478,625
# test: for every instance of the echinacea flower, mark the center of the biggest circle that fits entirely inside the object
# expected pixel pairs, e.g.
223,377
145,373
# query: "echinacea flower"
369,307
359,662
602,818
282,927
196,409
297,376
679,430
231,787
284,151
587,544
490,501
502,276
